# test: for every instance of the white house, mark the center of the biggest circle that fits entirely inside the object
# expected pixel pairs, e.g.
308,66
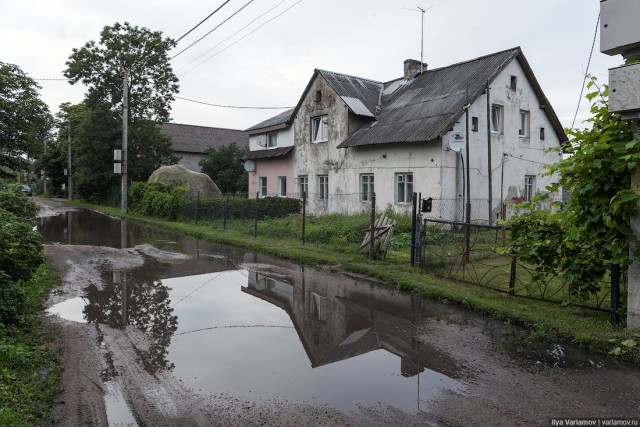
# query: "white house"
356,136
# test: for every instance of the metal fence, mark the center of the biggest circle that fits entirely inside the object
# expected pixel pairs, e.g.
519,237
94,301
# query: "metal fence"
443,254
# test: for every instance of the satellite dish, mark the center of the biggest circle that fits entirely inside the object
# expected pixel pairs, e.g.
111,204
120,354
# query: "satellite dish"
456,141
249,166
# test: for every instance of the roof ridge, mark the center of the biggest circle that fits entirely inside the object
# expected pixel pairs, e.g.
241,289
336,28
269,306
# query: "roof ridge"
349,75
513,49
200,126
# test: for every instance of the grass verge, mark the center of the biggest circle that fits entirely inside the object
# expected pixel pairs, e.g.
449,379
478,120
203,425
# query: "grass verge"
29,373
545,321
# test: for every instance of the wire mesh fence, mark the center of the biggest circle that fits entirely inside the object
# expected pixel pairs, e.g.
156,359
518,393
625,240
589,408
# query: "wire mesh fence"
444,255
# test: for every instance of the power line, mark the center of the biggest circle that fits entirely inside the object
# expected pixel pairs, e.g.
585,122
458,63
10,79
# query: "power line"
231,106
210,15
241,38
209,50
218,26
586,73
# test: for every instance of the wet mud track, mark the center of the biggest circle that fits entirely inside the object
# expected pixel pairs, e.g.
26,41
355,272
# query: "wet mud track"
161,329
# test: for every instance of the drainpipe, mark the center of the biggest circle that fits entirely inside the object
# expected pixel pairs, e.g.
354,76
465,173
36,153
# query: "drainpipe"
489,154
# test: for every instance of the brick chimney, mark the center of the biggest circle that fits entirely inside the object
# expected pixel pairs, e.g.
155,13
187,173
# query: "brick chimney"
412,68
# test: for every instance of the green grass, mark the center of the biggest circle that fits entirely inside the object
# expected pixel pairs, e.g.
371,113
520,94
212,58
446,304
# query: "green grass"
336,244
29,372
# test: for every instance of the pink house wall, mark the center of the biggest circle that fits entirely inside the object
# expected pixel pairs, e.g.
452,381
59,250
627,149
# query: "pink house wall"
272,169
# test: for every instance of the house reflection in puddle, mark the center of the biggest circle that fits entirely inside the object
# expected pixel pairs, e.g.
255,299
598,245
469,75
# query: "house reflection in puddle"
336,322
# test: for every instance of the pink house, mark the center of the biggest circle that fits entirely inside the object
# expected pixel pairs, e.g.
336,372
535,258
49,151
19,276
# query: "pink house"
270,159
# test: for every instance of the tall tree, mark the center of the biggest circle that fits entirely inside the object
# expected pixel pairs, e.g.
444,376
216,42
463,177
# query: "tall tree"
25,120
225,167
143,54
94,139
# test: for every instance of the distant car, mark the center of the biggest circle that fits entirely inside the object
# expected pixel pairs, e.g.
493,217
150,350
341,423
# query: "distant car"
27,190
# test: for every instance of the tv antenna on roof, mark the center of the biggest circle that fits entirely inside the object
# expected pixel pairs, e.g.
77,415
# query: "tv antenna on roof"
422,11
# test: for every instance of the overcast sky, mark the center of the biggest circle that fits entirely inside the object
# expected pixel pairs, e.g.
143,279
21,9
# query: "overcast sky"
271,66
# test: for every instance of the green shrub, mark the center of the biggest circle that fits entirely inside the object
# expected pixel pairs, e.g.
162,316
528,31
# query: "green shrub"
156,200
13,200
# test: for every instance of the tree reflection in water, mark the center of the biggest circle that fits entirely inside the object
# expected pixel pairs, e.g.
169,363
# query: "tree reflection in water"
147,308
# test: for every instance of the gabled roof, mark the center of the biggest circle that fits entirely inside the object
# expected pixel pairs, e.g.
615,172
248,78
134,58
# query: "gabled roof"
362,96
197,139
280,121
427,107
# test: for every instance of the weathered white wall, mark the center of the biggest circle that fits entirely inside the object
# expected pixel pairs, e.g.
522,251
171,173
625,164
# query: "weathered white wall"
190,161
512,156
259,141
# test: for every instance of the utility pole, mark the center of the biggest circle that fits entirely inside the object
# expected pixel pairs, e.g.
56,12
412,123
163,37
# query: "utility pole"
69,185
125,121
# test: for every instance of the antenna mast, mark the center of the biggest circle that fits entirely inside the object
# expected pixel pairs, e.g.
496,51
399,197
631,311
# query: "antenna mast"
422,11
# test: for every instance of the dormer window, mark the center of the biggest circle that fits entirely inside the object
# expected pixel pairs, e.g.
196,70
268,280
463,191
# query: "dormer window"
272,140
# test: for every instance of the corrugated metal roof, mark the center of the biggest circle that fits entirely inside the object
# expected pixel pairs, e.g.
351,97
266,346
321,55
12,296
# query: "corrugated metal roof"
356,106
270,153
368,92
426,107
281,118
197,139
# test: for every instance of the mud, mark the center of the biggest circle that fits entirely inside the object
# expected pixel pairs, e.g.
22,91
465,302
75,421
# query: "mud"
502,384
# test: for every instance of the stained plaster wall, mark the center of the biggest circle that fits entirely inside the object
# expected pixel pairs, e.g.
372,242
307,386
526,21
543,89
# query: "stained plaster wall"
512,156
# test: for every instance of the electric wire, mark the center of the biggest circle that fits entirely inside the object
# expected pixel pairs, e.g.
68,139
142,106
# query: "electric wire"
586,73
231,106
241,38
218,44
200,23
215,28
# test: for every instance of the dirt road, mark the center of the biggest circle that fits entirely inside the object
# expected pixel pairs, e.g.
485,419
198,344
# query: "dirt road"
102,369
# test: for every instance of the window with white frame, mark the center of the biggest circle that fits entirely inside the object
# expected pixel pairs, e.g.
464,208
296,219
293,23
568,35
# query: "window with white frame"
404,187
319,129
272,140
523,128
323,187
318,307
303,185
366,186
529,187
282,186
262,182
496,119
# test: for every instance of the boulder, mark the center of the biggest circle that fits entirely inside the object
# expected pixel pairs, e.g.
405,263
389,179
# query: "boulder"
179,176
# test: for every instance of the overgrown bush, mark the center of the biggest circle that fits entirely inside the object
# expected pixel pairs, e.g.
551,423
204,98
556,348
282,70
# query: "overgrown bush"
156,200
161,201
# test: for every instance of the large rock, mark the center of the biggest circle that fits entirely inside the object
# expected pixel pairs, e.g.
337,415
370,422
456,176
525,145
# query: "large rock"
194,182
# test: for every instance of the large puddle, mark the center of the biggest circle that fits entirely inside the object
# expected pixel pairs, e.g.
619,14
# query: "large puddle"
225,320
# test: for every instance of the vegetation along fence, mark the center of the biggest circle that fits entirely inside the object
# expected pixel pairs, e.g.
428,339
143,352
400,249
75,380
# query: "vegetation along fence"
443,254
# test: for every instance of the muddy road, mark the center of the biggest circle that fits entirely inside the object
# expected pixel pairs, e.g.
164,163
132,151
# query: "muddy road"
158,328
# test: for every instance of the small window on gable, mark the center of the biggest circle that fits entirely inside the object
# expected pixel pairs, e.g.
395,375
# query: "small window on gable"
514,82
541,134
474,124
529,187
318,96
